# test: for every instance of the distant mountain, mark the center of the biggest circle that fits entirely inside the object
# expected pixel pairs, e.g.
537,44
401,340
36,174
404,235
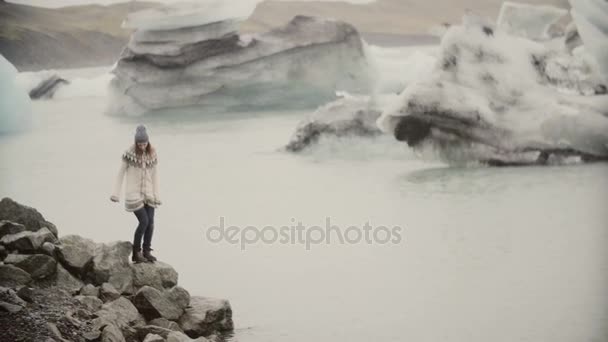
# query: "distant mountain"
35,38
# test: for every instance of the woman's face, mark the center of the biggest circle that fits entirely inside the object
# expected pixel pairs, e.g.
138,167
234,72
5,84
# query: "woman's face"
142,145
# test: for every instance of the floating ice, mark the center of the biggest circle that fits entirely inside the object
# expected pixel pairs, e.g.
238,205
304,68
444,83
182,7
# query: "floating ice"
591,18
503,99
301,64
15,105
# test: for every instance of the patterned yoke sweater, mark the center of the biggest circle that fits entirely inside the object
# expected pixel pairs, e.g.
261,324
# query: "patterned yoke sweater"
142,180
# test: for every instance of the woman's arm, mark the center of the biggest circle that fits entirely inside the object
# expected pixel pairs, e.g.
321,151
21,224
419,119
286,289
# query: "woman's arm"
155,184
118,182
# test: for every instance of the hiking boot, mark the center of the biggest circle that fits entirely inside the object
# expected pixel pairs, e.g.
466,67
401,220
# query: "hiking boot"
148,256
137,257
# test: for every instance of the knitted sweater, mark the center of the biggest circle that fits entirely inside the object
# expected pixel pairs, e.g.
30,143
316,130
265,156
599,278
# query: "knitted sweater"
142,180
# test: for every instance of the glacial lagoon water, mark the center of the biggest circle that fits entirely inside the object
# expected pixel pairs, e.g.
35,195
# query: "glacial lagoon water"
487,254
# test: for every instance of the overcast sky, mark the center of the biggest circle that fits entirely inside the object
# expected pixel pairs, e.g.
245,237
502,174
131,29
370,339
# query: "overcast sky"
61,3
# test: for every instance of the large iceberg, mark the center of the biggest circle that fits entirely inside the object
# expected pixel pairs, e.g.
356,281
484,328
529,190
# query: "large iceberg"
210,64
15,105
591,18
503,100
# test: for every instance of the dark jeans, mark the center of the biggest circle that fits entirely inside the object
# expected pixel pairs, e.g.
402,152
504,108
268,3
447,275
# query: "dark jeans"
145,228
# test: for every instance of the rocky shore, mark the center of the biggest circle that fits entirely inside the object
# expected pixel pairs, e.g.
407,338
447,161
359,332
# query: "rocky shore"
70,288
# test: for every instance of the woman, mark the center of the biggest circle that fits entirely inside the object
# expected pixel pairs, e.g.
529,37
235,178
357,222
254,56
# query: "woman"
141,191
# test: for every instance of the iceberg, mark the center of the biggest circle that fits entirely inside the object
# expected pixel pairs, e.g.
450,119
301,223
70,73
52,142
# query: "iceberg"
347,116
15,105
207,63
537,22
591,18
503,100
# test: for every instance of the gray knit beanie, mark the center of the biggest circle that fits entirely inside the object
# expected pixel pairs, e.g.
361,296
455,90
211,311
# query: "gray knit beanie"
140,134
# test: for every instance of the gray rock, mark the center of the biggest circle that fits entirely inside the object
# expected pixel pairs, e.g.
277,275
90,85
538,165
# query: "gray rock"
55,332
145,330
65,280
10,308
111,264
153,304
165,323
26,294
9,227
48,248
112,334
158,275
3,252
39,266
12,276
76,253
10,296
89,290
177,336
108,293
93,304
154,338
94,335
179,296
205,316
27,241
120,312
27,216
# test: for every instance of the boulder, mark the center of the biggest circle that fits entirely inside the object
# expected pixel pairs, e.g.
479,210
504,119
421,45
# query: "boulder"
39,266
8,227
12,276
120,312
165,323
153,304
112,334
179,296
48,248
158,275
28,241
177,336
92,304
76,252
10,296
145,330
154,338
10,308
27,216
65,280
205,316
89,290
3,253
108,293
111,264
26,294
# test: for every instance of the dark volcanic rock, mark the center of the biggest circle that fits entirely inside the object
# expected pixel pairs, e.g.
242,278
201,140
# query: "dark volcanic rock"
12,276
205,316
152,303
8,227
28,216
28,241
39,266
47,88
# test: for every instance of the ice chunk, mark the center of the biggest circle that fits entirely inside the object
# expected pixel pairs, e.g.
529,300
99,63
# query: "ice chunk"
15,105
504,100
530,21
189,14
591,18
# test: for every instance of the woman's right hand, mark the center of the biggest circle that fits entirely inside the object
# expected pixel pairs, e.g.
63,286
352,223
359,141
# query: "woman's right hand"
113,198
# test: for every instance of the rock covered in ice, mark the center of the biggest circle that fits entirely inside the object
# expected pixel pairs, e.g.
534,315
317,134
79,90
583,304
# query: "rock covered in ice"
298,65
591,18
504,100
348,115
538,22
15,105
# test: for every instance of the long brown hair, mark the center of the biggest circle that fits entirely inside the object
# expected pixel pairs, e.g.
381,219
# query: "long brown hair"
149,149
